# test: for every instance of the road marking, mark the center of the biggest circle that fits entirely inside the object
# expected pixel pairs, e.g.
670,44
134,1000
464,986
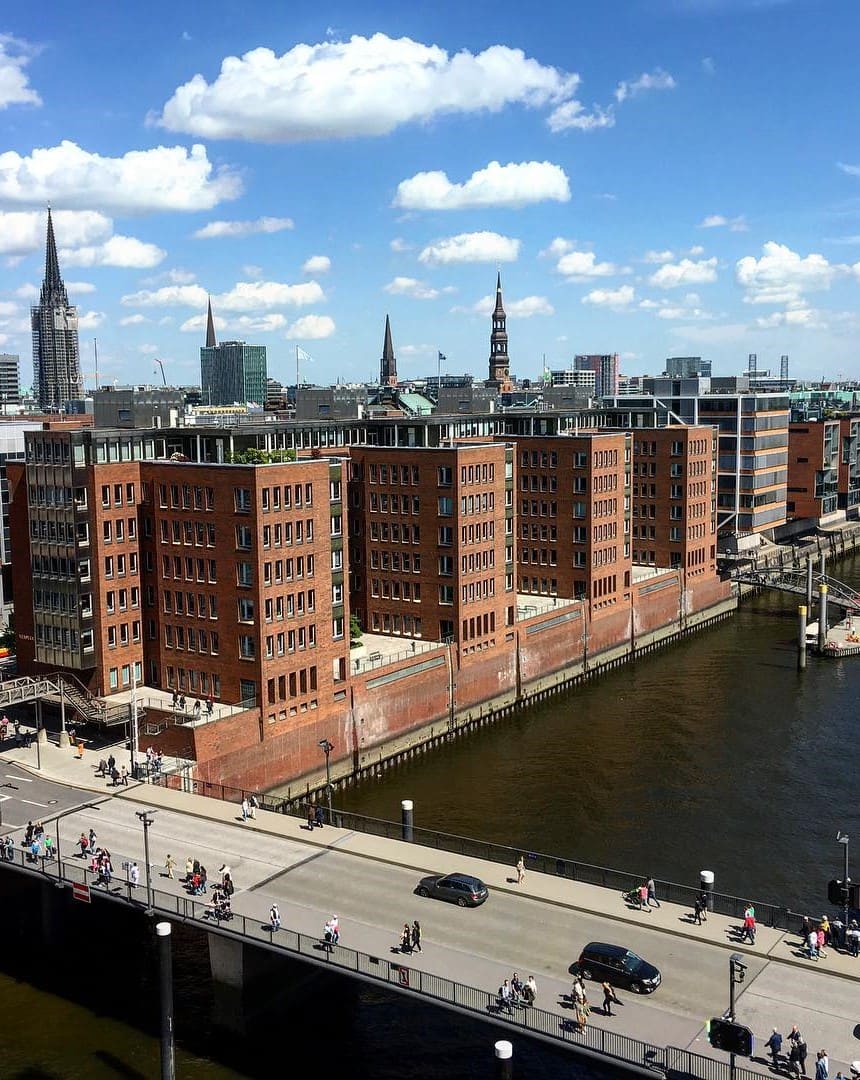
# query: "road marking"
30,802
26,779
3,798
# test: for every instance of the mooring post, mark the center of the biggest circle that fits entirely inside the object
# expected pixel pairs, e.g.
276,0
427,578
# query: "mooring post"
822,616
801,637
504,1052
406,820
165,971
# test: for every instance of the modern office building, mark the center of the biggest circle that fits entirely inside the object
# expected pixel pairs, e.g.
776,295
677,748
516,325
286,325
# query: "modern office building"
10,380
687,367
56,352
232,372
606,368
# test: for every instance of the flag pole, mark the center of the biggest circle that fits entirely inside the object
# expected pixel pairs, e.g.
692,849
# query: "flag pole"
297,373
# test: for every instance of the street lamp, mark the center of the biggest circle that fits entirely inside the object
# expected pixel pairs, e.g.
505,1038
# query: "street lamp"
146,819
843,839
66,813
327,748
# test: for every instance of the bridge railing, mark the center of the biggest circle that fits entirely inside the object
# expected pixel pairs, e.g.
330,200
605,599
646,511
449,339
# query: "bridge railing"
621,881
560,1027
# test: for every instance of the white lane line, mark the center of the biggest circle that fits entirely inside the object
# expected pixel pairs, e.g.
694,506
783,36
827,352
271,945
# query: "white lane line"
26,779
30,802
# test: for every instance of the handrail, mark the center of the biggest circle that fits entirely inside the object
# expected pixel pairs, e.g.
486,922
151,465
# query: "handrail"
644,1058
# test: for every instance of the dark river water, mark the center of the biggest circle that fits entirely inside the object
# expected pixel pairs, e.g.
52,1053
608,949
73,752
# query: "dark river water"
713,754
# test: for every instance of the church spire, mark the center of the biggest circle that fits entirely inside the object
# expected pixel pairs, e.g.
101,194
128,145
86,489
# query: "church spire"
53,288
211,342
388,363
499,361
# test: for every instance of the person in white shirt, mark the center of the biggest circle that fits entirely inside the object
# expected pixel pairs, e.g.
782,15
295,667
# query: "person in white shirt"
134,875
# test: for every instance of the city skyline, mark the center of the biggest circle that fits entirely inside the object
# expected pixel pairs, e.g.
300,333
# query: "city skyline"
635,177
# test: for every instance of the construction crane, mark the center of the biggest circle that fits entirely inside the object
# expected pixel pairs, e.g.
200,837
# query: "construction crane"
161,365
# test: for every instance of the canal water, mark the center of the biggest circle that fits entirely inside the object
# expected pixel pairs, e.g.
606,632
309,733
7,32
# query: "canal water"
712,754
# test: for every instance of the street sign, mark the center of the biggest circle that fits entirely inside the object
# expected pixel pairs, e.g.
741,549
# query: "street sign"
81,892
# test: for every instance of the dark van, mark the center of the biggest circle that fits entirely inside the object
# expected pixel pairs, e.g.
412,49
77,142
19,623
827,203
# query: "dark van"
619,966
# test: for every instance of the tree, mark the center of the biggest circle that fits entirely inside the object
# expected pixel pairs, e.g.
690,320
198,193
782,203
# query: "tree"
354,632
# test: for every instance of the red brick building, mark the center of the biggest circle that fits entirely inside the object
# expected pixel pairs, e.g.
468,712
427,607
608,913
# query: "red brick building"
813,469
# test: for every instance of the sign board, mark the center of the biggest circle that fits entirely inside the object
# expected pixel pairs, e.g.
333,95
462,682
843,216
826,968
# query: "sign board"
81,892
403,976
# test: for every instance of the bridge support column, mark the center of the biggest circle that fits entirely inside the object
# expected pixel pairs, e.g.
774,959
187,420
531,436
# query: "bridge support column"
822,616
227,962
53,910
801,637
64,741
246,979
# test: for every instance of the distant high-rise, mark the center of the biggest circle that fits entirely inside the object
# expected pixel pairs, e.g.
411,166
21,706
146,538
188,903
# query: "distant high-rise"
10,379
54,322
687,367
500,364
388,363
606,368
232,372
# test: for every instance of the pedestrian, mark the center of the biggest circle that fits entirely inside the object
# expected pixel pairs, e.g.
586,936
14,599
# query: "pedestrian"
252,806
311,816
774,1044
697,911
825,926
821,937
228,886
652,892
181,702
328,935
17,727
189,868
802,1052
92,839
80,750
318,816
505,997
416,936
134,875
580,1003
749,929
4,726
209,705
643,897
175,700
531,989
123,776
609,996
83,844
521,871
102,769
224,871
335,926
197,709
169,864
812,944
822,1066
852,938
245,809
703,900
406,939
49,847
274,918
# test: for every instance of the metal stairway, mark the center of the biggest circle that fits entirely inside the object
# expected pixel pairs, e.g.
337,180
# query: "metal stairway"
66,689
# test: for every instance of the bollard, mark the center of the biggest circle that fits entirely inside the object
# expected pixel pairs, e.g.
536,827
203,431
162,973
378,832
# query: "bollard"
801,637
504,1059
822,616
406,820
165,970
706,878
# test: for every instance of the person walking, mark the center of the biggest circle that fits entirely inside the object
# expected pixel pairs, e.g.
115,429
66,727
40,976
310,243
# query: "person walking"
609,996
822,1066
580,1003
252,806
134,875
652,892
406,939
80,750
83,844
318,816
92,839
531,989
749,929
189,868
123,776
643,897
812,944
697,911
774,1045
169,865
311,816
246,809
274,918
521,871
204,879
416,936
703,901
505,997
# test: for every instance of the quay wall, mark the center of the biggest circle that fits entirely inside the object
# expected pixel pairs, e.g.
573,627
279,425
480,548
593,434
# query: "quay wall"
405,708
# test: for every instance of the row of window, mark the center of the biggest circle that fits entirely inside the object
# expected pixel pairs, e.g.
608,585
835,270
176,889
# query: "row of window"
116,530
297,683
195,605
395,589
183,497
395,560
394,474
397,534
389,623
122,676
193,639
117,490
479,626
175,566
294,495
394,504
120,634
185,679
198,533
303,637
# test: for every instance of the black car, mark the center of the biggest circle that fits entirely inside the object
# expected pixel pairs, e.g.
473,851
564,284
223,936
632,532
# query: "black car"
619,966
462,889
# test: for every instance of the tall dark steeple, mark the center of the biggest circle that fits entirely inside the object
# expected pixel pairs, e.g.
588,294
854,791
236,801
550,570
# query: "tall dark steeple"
499,361
210,328
54,322
388,363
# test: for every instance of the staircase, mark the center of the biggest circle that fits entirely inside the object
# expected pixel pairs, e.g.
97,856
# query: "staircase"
93,710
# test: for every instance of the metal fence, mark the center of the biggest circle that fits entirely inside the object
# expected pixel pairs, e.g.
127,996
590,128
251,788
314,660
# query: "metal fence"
767,914
670,1062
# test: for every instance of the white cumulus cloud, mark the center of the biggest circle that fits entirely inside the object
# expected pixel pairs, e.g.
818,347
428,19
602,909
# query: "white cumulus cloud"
685,272
582,265
311,328
574,115
89,320
316,264
78,288
690,307
162,178
133,320
556,248
245,296
512,185
408,286
658,256
23,231
218,229
658,79
524,308
364,86
801,316
398,244
616,299
14,84
781,275
720,221
471,247
168,296
124,251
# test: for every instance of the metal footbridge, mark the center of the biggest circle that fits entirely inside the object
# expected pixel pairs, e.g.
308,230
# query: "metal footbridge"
793,580
64,691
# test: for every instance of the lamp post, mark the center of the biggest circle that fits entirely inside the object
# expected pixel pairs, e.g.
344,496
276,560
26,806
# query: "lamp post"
327,748
737,974
146,819
843,839
66,813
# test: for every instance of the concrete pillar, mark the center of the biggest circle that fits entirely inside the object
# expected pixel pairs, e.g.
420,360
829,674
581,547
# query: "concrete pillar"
822,616
504,1052
406,812
227,963
810,570
706,879
53,914
801,637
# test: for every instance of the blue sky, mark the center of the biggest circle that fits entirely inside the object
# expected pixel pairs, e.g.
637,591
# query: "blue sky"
653,177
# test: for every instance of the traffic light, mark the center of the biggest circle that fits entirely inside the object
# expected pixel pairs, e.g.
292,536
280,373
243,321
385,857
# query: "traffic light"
729,1036
842,893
